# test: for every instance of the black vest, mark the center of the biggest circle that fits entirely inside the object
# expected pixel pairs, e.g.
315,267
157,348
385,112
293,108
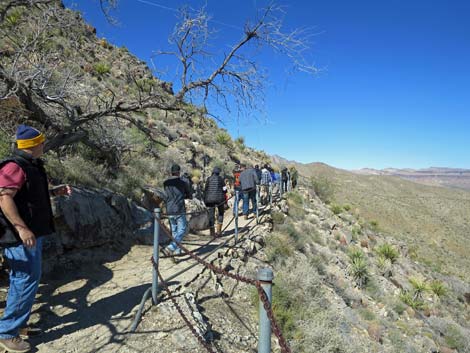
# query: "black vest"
32,200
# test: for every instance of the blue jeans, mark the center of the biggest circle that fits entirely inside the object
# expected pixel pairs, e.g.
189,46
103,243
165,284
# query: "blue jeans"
179,225
25,273
247,196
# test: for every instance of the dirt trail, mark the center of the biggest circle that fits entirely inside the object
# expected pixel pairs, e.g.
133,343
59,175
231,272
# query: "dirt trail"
91,309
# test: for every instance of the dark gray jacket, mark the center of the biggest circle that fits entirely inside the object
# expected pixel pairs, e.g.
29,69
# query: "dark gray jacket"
249,179
214,191
176,190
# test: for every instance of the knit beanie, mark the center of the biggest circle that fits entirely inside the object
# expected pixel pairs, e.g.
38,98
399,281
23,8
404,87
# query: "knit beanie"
216,170
27,137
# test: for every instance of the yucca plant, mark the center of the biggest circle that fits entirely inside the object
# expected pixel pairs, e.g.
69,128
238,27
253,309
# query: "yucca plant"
356,254
359,271
409,300
389,252
419,286
438,288
383,264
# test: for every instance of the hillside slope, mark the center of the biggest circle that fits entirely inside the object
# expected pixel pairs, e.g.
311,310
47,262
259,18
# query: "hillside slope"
433,221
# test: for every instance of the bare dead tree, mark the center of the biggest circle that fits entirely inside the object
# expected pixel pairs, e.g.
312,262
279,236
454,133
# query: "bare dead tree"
44,67
50,64
235,74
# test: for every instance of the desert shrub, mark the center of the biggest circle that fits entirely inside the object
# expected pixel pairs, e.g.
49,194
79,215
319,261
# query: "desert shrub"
299,240
102,68
366,314
297,213
13,17
323,188
455,339
388,251
347,207
374,225
285,308
279,248
77,170
5,145
438,288
278,217
398,307
356,230
294,198
240,140
359,270
311,232
223,138
336,209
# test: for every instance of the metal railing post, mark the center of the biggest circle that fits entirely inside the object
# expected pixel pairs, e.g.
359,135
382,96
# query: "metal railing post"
156,238
280,187
235,209
270,190
257,203
288,183
265,276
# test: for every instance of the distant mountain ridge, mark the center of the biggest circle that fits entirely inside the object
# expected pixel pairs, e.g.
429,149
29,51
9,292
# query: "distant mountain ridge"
434,176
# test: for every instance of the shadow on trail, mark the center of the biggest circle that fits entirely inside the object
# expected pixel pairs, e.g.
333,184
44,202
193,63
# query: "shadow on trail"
65,306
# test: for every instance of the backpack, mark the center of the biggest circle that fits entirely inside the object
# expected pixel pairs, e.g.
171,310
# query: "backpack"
237,178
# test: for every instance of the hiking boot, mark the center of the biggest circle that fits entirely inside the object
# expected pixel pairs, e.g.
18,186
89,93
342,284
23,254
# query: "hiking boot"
15,345
212,232
219,230
245,217
167,252
29,331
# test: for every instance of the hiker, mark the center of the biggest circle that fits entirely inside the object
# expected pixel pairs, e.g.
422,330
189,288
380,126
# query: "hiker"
214,197
25,217
236,186
294,175
176,191
284,179
258,171
248,181
265,183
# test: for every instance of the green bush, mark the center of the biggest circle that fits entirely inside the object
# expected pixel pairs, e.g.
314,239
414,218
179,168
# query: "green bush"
336,209
455,339
285,309
279,248
223,138
13,18
347,208
278,217
294,198
323,188
374,225
5,145
102,68
389,252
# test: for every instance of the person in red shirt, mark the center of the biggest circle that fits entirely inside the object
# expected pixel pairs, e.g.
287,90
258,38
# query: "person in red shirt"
25,216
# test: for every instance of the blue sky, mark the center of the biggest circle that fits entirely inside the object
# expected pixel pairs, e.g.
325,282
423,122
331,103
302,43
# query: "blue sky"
393,90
